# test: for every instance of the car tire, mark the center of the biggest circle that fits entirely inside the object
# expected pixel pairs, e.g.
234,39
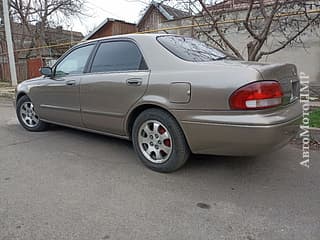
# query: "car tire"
28,117
159,141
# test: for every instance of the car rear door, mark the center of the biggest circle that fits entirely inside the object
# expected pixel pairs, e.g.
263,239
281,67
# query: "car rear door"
117,78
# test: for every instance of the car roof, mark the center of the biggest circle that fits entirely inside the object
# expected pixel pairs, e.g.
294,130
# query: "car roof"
135,36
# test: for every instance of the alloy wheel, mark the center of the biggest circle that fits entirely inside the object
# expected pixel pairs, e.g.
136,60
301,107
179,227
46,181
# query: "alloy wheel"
155,141
28,115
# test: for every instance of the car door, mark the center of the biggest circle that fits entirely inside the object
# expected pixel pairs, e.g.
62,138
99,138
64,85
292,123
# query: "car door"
118,77
59,97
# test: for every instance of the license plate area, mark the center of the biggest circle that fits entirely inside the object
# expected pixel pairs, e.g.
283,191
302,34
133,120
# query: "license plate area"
295,90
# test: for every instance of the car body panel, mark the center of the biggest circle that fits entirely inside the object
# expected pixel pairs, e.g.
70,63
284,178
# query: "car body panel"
238,140
208,132
58,100
104,88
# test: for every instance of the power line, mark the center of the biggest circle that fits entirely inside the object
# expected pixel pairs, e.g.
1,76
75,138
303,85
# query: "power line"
317,11
103,9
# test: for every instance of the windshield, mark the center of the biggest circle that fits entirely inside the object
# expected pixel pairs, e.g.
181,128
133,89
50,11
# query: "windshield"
190,49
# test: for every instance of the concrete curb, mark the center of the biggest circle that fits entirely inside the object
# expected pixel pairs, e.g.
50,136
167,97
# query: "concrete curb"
315,104
7,92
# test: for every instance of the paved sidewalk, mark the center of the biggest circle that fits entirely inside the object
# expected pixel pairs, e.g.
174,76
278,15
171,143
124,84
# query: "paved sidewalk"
315,104
6,90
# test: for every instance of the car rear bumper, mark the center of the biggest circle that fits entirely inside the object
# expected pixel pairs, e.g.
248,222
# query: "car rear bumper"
261,133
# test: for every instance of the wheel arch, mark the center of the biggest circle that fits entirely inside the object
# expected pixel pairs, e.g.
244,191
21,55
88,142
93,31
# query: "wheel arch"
20,95
135,112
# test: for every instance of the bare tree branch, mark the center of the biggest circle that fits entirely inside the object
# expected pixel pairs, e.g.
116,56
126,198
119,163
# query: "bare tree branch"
263,53
262,8
224,39
247,21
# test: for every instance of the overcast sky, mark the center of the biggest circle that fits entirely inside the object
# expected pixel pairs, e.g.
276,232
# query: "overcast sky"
99,10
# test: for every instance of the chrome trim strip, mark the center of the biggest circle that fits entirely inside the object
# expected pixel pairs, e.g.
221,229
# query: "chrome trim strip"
60,108
111,114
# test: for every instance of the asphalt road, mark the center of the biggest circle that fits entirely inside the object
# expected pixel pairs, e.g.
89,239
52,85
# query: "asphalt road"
68,184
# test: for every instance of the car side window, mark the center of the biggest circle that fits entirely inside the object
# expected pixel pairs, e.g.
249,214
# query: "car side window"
118,56
74,62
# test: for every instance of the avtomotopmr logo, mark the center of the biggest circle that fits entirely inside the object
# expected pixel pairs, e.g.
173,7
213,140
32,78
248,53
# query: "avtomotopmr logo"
305,134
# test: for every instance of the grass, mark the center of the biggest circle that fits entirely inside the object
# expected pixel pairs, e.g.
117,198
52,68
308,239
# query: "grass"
315,118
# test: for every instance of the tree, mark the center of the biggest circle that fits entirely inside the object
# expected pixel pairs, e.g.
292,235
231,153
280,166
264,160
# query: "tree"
43,14
261,20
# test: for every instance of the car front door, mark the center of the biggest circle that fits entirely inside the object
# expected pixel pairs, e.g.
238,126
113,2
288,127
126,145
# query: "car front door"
59,98
118,77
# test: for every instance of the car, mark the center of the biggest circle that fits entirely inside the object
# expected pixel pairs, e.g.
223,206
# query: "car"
170,95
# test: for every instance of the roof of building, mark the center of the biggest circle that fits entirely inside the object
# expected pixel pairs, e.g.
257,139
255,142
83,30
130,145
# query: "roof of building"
102,24
173,12
169,13
231,5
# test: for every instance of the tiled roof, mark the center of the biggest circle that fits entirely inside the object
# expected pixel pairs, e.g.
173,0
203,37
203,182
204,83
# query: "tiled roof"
168,12
236,4
175,13
102,24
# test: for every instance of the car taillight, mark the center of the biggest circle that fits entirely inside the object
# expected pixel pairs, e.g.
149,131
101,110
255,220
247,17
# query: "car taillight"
257,95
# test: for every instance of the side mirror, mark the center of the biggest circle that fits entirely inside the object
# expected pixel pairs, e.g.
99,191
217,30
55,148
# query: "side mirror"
46,71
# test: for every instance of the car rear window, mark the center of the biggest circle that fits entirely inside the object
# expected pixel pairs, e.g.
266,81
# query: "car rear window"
190,49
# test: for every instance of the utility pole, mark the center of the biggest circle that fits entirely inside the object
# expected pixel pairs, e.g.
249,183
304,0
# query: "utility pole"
7,27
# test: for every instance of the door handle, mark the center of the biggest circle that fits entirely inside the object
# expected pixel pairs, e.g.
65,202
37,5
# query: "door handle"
71,82
134,81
